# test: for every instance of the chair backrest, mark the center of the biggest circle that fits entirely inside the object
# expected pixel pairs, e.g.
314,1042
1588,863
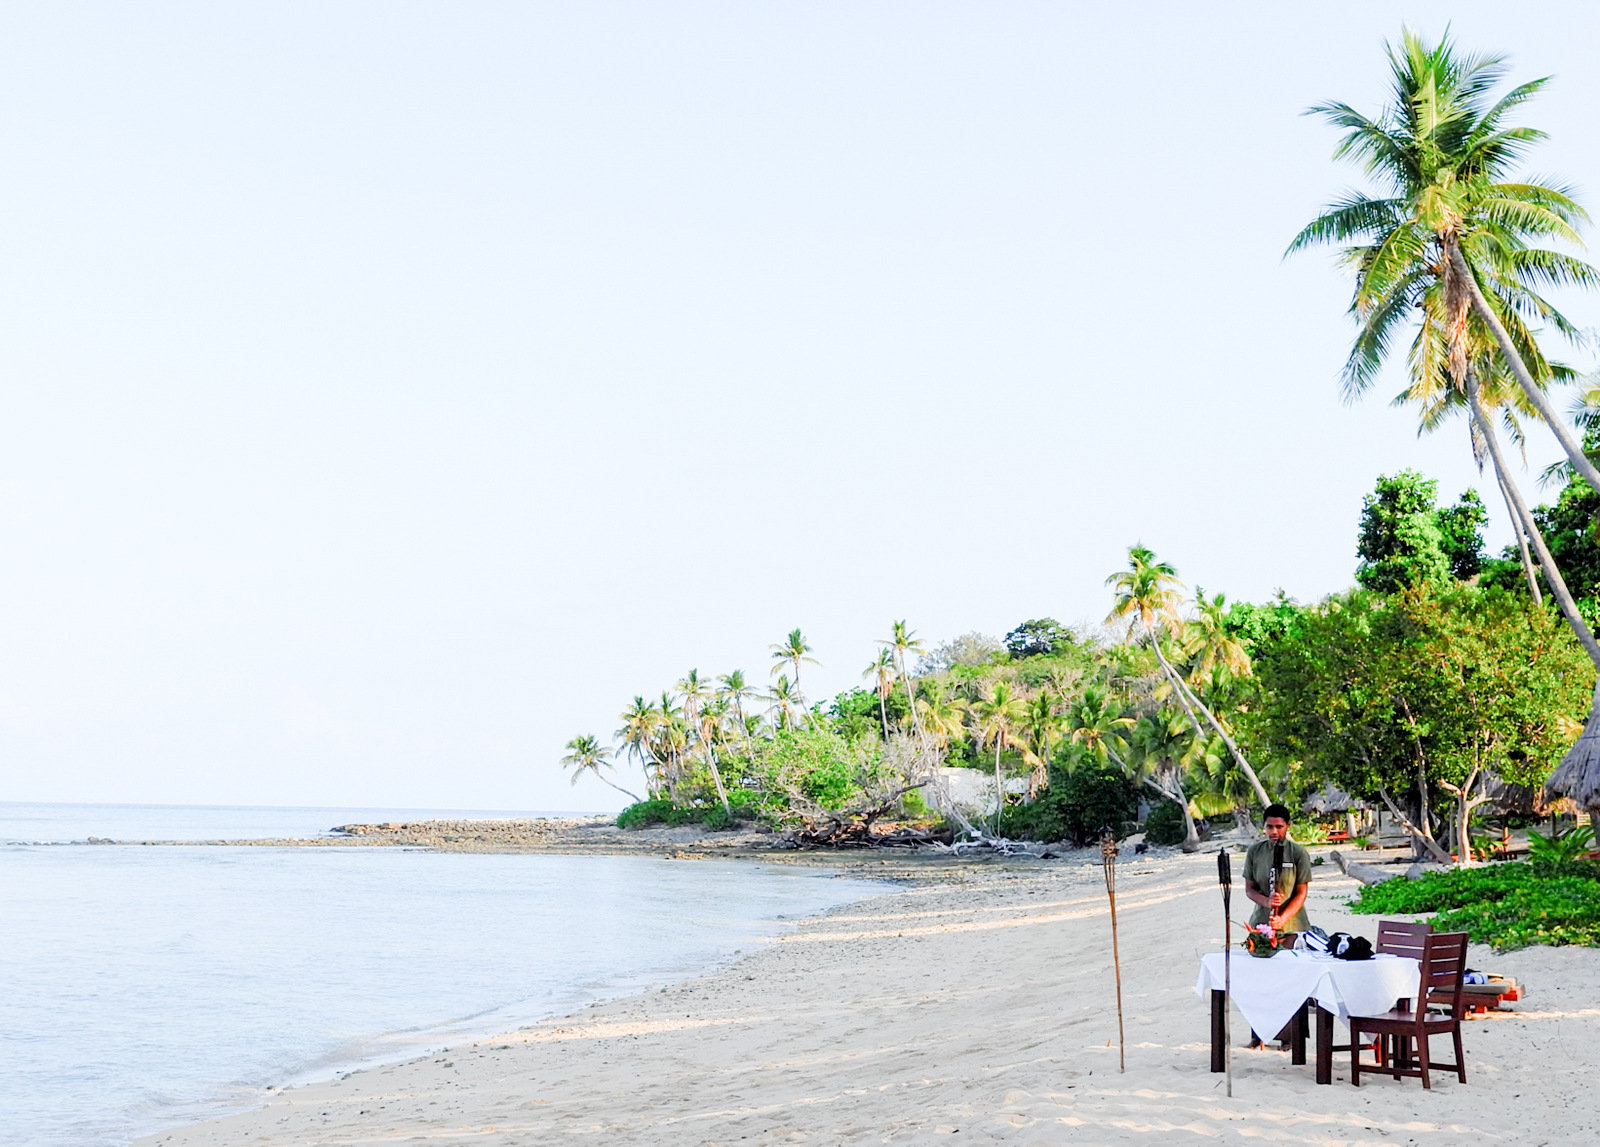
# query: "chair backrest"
1397,938
1444,964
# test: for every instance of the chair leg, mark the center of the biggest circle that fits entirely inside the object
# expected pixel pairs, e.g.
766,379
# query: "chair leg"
1355,1054
1422,1059
1461,1058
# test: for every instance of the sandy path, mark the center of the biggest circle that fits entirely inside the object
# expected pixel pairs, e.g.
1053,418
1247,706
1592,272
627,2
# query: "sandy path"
978,1009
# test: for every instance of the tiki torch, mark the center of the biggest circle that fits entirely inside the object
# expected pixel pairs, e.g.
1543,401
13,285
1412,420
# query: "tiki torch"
1225,878
1108,864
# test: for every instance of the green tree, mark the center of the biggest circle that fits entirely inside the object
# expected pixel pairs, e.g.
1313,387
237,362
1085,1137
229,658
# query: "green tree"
1165,747
1461,535
1038,638
585,754
1400,541
1430,689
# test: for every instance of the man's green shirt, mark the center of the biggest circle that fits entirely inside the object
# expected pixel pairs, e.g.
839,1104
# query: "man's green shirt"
1296,871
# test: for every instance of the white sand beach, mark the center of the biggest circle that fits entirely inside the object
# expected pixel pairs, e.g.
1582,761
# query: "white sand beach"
976,1006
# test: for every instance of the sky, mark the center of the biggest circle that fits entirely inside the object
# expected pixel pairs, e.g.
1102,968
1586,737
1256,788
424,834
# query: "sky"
390,391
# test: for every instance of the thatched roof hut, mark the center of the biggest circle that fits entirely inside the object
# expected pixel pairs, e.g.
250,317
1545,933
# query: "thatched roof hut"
1577,777
1506,799
1329,800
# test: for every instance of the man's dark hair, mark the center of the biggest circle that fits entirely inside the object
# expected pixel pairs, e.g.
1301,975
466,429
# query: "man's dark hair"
1280,811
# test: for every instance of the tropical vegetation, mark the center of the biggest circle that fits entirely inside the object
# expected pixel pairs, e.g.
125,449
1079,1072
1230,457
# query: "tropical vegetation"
1443,678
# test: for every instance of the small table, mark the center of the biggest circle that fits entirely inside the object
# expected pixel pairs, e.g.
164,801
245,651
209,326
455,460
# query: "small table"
1272,993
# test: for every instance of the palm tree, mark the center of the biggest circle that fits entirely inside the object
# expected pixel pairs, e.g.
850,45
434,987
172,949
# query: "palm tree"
1449,240
1148,591
786,701
638,729
941,713
1097,724
587,755
695,693
999,714
903,640
1165,743
792,652
1041,732
881,674
737,690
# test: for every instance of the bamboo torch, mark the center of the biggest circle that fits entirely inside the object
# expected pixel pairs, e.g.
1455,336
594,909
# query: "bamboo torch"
1225,878
1108,864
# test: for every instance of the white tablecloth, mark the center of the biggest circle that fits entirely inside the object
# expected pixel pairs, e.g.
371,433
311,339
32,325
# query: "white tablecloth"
1268,990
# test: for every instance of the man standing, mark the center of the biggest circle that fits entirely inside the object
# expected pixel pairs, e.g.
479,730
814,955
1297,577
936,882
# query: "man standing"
1277,876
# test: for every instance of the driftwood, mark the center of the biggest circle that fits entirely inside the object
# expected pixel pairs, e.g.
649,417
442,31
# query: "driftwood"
851,827
1366,873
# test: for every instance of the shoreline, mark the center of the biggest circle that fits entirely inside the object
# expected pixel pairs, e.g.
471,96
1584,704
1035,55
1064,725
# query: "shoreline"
975,1001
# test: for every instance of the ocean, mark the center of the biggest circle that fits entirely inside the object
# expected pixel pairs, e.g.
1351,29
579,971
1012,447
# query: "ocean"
146,987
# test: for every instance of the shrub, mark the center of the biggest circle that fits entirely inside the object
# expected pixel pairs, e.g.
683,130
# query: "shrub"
646,813
1561,854
1506,905
1075,806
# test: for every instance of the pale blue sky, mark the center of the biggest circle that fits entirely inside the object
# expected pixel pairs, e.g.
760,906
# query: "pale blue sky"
393,390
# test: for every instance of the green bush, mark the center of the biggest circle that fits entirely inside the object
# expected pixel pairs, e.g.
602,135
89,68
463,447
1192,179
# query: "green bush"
1561,853
647,813
1075,806
1506,905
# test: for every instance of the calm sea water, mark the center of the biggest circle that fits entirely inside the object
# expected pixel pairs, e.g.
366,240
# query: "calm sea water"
145,987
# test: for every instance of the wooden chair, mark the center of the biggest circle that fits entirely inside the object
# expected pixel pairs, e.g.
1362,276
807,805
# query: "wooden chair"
1444,962
1396,938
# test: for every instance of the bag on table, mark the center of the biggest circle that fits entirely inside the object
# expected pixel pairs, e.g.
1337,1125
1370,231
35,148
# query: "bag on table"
1348,947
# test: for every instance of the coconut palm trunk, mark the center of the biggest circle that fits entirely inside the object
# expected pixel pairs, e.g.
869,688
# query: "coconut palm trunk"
1578,774
1469,283
1558,585
1522,543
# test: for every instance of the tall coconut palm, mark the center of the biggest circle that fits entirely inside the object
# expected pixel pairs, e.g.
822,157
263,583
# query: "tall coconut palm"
587,755
695,693
637,733
1041,732
902,640
792,651
785,702
999,715
1148,591
881,673
1448,240
737,690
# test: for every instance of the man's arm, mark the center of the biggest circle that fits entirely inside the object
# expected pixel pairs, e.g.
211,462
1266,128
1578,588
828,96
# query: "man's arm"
1295,902
1260,897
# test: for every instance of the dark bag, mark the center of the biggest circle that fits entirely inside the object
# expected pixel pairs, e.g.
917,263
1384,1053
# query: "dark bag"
1348,947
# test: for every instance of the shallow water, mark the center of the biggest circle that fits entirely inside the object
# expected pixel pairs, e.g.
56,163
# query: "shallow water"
142,987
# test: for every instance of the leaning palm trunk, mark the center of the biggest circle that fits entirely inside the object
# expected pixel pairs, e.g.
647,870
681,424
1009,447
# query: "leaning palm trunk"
911,701
1191,834
1185,696
1578,775
1522,544
1536,395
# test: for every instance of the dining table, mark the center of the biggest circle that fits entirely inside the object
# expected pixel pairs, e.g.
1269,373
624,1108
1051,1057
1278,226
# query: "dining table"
1272,993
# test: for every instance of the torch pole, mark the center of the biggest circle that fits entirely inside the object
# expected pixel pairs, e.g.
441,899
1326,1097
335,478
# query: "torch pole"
1225,878
1108,864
